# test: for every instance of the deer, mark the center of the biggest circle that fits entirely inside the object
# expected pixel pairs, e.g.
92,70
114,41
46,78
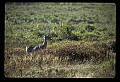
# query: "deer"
39,47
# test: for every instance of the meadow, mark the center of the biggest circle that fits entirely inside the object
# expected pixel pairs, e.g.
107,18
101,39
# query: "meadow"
83,41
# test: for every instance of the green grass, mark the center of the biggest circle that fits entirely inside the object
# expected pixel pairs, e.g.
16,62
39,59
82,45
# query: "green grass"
83,44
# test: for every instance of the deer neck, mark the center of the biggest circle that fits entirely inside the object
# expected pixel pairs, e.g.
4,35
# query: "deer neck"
43,46
45,43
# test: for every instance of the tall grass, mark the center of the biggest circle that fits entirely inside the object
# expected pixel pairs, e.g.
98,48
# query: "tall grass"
83,40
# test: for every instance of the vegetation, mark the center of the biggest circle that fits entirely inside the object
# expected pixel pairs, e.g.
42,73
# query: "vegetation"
83,41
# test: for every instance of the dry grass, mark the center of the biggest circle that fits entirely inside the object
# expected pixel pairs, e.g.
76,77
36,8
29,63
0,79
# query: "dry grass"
67,61
86,51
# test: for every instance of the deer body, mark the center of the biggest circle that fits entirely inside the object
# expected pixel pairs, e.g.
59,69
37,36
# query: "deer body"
29,49
36,48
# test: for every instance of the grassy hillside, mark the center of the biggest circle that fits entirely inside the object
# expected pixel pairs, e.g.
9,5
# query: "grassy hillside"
83,40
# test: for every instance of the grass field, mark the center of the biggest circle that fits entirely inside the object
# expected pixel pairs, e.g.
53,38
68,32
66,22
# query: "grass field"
83,41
